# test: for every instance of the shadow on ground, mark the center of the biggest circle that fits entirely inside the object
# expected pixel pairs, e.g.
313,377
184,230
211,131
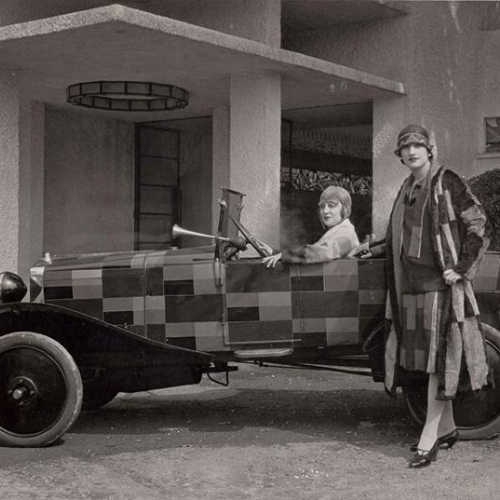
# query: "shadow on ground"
265,409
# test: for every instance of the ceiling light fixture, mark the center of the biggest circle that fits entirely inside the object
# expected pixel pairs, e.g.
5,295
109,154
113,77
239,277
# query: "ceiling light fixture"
127,96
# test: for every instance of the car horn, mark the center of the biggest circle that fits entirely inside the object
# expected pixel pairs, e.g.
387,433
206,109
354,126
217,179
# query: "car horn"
238,242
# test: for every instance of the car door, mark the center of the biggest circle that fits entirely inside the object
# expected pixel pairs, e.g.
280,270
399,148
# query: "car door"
336,304
184,299
258,305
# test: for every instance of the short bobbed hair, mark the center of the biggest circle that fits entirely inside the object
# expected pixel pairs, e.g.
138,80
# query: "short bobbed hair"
337,193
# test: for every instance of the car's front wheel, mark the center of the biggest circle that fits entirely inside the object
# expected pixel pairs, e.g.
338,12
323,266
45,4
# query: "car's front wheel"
477,415
40,390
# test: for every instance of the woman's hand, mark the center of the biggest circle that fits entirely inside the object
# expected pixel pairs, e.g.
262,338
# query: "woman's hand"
362,251
451,277
271,260
267,249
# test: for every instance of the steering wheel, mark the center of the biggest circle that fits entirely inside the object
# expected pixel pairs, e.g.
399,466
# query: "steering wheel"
249,237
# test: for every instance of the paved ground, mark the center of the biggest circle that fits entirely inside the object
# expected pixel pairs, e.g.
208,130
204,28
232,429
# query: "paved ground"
272,434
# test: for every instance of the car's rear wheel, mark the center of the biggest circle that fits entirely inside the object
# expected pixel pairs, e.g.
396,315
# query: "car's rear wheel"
477,415
40,390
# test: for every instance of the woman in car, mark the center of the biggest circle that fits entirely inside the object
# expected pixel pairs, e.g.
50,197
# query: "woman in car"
339,240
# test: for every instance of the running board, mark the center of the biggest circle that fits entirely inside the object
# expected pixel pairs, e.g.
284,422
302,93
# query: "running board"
263,353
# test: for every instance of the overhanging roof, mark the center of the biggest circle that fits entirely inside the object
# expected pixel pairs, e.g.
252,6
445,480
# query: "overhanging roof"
120,43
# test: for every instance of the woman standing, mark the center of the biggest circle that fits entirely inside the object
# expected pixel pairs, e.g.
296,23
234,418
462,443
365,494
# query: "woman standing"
435,241
339,240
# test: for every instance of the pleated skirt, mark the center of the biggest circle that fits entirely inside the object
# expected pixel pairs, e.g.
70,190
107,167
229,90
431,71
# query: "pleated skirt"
422,315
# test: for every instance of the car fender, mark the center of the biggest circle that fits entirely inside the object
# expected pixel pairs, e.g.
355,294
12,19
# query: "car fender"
85,336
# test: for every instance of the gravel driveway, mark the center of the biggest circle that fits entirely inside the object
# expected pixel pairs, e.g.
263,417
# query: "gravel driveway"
274,433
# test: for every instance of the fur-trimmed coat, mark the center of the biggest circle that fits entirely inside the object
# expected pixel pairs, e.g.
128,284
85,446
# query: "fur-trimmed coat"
458,241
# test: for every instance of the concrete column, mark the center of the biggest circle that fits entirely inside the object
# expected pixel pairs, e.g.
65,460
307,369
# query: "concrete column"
9,172
31,184
255,156
21,178
220,155
389,117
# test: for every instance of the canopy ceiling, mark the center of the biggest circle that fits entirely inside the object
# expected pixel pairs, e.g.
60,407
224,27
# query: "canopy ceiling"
120,43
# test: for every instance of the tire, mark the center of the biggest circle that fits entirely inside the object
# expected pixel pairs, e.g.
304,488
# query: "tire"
40,390
477,415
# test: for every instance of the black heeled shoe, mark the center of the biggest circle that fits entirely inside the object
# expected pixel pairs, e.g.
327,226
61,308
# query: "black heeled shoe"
449,440
424,458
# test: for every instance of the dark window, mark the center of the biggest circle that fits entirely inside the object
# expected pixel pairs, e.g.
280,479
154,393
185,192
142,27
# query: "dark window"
492,130
157,199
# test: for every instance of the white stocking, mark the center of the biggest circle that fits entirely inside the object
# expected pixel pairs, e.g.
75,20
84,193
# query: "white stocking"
435,412
447,423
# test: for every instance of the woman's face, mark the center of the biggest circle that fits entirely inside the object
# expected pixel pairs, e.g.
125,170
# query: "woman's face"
415,156
330,213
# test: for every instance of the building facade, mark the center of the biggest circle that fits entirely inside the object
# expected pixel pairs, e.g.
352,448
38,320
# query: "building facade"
284,96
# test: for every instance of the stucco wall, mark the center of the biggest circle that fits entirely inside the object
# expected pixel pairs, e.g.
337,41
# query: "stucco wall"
443,73
89,183
364,46
380,48
435,51
258,20
489,105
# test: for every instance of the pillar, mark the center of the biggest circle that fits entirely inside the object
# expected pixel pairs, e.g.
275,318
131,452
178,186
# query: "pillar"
9,171
220,155
254,152
31,184
21,178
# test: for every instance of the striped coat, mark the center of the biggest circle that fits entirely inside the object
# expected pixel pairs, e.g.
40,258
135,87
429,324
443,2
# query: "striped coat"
458,223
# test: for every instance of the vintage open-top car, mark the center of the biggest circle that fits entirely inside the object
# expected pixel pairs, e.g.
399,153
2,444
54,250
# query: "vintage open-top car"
99,324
